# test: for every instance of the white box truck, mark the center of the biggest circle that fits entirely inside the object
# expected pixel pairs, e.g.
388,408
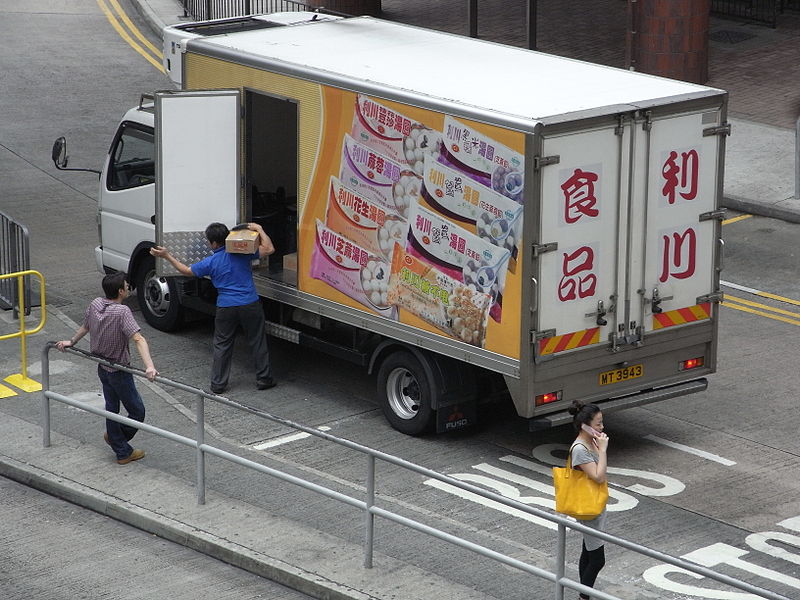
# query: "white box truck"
461,217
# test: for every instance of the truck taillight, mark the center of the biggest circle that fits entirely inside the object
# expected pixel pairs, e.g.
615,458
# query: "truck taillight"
547,398
691,363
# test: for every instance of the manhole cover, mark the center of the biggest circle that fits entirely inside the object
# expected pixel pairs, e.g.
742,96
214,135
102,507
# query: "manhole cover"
727,36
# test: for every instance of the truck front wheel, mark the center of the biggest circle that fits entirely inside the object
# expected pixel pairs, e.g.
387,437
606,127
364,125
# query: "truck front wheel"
158,297
405,394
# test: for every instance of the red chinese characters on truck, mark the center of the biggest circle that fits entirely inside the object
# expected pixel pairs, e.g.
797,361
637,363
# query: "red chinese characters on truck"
578,279
681,174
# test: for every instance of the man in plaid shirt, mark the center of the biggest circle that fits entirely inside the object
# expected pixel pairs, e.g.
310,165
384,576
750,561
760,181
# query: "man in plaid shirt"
110,325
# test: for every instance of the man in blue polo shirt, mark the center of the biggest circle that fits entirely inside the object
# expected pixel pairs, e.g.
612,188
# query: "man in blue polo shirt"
237,302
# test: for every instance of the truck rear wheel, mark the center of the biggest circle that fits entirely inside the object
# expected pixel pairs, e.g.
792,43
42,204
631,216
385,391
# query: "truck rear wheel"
158,297
405,394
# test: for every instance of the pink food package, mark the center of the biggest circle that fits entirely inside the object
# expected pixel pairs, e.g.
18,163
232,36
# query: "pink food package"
393,134
378,178
352,270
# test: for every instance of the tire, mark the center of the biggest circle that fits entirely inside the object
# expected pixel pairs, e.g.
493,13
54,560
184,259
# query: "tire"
158,297
405,394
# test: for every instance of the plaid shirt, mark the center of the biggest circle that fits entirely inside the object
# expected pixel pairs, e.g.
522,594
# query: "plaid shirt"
110,326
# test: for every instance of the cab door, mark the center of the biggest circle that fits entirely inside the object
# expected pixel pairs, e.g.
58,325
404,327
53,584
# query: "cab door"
198,172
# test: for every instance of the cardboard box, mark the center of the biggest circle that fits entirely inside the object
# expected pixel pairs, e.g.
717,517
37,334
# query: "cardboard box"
242,241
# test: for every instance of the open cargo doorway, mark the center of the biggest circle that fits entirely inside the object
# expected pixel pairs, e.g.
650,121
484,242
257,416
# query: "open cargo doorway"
271,132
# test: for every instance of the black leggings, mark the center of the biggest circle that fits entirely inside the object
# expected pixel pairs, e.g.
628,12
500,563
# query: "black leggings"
590,564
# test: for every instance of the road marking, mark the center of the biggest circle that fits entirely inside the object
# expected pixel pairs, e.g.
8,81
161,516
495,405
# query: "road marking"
755,292
736,219
690,450
124,34
287,439
779,311
760,313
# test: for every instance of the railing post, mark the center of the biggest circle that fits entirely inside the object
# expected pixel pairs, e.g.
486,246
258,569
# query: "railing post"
533,10
472,17
45,399
797,159
561,553
369,536
201,457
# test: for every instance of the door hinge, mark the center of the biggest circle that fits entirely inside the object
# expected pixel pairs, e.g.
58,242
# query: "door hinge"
537,336
545,161
539,249
647,124
712,297
620,128
714,215
724,129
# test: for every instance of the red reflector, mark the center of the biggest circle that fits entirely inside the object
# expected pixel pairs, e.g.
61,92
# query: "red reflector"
547,398
691,363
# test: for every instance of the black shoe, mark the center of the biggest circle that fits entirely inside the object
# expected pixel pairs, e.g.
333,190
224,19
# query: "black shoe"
218,389
265,384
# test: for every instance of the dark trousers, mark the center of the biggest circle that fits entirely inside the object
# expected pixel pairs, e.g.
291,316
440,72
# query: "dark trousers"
251,318
590,564
119,388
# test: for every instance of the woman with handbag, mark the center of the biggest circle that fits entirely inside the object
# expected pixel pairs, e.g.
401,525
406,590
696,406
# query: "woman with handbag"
588,453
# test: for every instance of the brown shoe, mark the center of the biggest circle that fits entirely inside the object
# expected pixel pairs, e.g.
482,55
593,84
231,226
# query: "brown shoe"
135,455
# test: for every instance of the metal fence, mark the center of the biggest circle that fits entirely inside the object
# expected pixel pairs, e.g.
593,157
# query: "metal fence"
369,502
203,10
763,11
14,257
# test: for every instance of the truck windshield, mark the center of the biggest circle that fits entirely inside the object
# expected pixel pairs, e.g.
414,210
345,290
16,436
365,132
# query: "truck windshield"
132,158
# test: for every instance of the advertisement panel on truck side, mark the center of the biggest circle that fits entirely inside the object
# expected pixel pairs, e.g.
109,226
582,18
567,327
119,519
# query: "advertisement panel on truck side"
416,216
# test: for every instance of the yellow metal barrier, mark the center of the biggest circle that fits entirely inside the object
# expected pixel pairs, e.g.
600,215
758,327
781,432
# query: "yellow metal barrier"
21,380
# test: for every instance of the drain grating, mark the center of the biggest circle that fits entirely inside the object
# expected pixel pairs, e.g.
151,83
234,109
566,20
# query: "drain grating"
727,36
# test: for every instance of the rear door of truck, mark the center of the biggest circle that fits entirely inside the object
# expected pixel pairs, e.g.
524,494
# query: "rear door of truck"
198,174
627,255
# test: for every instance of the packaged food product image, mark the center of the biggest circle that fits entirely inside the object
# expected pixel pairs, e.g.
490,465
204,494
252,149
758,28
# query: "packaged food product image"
374,228
352,270
496,218
378,178
456,309
459,254
483,159
393,134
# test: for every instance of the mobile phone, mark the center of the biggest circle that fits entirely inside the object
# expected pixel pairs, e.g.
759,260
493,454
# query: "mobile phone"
590,430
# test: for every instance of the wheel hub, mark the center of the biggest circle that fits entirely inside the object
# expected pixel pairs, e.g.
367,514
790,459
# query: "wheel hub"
402,390
156,295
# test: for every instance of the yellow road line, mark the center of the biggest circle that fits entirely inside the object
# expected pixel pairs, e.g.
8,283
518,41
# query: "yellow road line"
124,35
760,313
736,219
134,30
759,305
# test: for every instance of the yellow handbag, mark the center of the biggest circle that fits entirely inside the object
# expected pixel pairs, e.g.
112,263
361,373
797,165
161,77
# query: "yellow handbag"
577,495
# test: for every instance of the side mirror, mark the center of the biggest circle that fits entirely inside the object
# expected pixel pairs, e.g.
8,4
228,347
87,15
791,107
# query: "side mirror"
60,158
59,155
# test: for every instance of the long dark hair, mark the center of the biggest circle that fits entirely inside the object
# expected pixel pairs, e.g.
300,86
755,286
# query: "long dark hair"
582,414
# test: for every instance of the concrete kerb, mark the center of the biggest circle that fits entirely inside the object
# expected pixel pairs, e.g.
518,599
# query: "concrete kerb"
785,210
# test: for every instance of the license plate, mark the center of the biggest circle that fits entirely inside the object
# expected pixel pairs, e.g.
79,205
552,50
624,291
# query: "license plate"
623,374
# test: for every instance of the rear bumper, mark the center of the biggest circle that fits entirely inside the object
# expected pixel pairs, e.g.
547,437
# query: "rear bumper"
622,402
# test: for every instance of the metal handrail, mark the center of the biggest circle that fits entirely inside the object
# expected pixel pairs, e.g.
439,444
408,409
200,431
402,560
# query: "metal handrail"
368,503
